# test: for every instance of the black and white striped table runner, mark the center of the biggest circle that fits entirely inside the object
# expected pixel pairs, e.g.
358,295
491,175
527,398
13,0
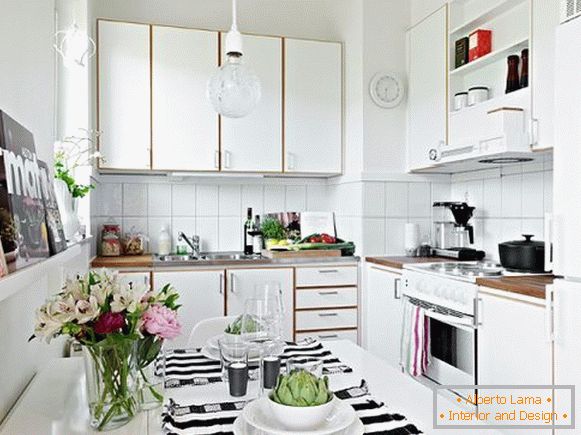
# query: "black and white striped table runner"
190,367
218,418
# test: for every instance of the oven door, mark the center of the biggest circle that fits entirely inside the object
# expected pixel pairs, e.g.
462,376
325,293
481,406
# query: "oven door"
452,348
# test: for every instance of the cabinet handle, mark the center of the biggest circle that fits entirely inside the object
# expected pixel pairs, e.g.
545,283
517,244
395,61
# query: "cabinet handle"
329,293
217,159
535,132
328,314
232,290
548,230
549,314
477,312
328,271
227,155
221,283
327,336
396,292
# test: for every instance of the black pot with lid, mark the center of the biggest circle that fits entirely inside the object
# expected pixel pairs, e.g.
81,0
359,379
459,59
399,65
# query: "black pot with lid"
523,255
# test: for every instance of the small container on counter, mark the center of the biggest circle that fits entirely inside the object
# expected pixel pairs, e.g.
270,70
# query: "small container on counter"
477,94
111,240
460,100
134,243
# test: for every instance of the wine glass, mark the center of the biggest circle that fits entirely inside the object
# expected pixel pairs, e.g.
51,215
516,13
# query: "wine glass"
271,292
260,328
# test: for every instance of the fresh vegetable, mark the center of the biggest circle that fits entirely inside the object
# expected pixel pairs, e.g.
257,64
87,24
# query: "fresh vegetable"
235,327
320,238
272,229
301,388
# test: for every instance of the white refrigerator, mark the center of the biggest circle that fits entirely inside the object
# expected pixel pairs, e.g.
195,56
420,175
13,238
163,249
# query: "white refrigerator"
564,226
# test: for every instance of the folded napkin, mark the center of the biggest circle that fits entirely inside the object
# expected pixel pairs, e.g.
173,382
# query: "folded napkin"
189,367
218,418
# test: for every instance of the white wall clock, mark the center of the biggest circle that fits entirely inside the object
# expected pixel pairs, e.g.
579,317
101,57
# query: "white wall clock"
387,90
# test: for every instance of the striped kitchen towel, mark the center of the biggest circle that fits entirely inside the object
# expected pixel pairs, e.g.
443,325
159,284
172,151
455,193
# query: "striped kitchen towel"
190,367
218,418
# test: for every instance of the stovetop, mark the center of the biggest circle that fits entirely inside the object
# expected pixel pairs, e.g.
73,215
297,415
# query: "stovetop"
464,271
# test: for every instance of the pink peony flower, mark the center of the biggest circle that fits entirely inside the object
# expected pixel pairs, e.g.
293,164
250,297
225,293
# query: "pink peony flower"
161,321
109,322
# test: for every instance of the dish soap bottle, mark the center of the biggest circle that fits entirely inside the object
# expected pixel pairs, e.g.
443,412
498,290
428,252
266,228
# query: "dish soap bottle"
164,242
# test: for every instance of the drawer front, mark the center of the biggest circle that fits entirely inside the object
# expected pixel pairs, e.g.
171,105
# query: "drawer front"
326,276
326,297
326,319
329,335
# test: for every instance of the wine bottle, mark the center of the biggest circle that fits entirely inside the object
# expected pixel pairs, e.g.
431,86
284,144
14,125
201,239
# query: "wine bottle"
248,228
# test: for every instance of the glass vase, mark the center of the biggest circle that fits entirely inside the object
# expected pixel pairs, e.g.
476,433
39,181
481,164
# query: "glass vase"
111,375
151,366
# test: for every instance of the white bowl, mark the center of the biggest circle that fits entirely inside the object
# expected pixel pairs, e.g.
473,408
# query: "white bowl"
300,418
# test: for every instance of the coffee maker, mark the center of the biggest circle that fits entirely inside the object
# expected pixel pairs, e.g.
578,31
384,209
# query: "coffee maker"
453,233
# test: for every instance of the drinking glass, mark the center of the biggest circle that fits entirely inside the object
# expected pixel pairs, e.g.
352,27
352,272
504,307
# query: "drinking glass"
260,328
230,353
312,365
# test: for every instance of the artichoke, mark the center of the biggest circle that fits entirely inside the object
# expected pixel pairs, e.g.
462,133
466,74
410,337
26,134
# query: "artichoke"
301,388
235,327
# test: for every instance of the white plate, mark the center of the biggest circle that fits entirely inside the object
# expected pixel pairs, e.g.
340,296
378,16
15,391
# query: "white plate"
257,415
213,342
243,428
210,353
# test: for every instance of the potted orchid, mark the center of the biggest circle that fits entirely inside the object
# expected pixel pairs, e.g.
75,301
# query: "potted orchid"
110,319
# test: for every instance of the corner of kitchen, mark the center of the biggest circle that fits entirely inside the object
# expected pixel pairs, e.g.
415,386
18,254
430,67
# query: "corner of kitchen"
252,217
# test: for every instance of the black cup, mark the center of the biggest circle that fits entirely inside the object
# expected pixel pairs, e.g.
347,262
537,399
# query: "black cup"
238,379
271,371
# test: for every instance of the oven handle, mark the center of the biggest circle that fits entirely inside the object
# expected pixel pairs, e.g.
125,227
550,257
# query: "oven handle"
464,323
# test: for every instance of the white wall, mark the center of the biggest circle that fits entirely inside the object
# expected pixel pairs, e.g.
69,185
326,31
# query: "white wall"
420,9
26,93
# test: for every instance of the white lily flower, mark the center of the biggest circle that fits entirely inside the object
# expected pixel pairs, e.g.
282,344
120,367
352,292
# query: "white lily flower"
47,326
86,311
63,308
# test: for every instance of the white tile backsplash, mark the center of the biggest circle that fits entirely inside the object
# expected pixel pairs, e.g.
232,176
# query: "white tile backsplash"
296,198
229,200
134,199
206,200
492,198
183,200
374,199
207,229
533,195
252,196
230,234
187,225
512,196
159,199
396,199
274,198
109,199
419,200
317,197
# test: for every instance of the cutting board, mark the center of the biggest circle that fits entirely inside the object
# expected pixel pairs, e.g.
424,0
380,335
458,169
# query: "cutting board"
124,261
309,253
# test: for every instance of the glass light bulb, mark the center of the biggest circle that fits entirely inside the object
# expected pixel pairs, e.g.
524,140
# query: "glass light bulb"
75,46
234,90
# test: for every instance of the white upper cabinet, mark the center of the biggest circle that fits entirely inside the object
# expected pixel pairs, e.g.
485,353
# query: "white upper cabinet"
124,95
254,143
427,101
313,106
185,126
545,19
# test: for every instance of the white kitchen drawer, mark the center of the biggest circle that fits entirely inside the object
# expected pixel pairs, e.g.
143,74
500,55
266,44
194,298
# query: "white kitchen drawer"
326,319
329,335
326,297
326,276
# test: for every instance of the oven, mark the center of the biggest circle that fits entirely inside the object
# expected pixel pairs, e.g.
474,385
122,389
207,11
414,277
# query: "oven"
451,306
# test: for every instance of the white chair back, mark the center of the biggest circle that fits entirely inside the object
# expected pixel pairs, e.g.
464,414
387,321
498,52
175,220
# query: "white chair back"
207,329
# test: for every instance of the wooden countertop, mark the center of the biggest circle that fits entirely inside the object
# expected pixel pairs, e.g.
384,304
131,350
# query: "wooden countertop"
123,261
530,285
399,262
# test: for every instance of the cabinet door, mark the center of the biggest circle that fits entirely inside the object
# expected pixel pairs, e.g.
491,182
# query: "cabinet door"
201,297
124,95
136,278
254,143
545,19
185,126
383,313
511,336
313,106
428,103
241,286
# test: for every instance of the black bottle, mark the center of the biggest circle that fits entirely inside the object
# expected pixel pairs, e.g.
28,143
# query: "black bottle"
248,229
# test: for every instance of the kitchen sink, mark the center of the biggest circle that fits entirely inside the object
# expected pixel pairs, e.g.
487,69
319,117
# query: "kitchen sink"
206,256
226,256
172,258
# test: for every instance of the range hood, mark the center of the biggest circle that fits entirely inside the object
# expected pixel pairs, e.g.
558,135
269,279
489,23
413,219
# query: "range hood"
491,134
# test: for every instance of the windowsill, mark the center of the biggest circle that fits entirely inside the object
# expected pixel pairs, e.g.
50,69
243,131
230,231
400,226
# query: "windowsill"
24,278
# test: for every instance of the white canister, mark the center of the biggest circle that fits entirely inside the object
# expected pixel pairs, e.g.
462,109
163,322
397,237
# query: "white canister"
411,238
460,100
477,94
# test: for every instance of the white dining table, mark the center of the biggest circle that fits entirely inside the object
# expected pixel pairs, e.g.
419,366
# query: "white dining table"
54,403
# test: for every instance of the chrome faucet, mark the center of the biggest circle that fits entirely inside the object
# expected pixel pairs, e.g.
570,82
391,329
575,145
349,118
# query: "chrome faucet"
193,243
